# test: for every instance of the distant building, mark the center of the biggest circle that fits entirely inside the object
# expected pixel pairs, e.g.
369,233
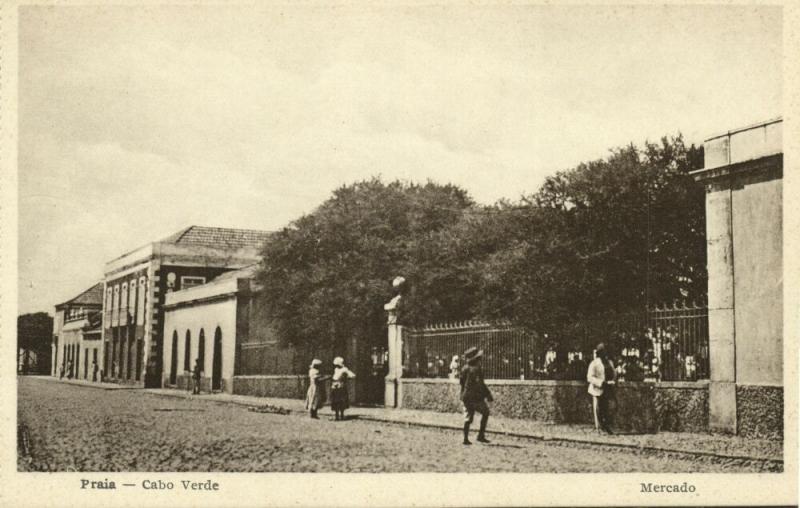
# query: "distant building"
76,334
136,284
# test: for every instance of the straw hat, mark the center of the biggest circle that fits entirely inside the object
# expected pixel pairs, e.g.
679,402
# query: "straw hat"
339,361
315,362
472,353
600,350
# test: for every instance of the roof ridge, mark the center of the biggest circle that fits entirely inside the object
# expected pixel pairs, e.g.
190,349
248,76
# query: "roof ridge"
226,228
183,233
93,286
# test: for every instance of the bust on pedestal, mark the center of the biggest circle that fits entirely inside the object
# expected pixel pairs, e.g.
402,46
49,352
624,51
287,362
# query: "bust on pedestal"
392,395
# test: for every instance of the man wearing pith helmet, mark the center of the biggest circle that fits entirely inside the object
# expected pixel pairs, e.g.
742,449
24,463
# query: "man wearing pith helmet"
474,393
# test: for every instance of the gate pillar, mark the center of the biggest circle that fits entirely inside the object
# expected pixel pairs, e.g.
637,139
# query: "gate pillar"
393,387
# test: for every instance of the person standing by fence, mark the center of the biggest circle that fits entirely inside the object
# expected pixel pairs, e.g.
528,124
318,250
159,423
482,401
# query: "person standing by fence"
609,397
455,368
340,398
474,394
315,397
601,378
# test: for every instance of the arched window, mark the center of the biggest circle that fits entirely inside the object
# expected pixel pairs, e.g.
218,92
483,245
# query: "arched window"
173,361
107,309
140,304
201,350
132,302
123,304
115,307
187,352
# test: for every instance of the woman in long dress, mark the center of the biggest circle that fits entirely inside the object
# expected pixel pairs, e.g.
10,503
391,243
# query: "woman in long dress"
340,399
315,397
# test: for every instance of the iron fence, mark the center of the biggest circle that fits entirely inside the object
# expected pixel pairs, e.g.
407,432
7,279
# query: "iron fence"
660,344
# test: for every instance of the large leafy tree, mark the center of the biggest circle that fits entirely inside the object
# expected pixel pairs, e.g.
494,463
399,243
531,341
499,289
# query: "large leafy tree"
610,235
326,276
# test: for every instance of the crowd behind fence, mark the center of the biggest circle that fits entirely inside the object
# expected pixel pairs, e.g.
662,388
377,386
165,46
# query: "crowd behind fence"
660,344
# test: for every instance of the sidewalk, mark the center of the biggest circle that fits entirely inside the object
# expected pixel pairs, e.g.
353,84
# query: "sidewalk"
715,445
88,384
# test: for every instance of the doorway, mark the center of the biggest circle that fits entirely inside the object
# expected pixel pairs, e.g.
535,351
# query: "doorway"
216,368
173,369
374,385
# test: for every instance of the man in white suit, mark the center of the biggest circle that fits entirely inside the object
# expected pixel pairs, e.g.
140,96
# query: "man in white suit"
599,380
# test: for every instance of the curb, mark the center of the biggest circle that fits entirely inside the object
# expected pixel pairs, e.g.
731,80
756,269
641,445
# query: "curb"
540,437
521,435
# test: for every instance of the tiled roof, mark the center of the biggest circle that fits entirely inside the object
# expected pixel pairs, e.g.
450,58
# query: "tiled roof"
92,296
224,238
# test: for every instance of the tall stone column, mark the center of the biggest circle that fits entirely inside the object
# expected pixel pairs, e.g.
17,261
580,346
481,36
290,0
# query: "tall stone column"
721,304
392,394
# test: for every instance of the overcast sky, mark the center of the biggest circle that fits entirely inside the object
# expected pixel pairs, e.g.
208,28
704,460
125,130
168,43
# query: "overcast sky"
136,122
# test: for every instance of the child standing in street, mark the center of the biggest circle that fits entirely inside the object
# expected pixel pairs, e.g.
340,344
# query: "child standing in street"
474,394
196,377
315,397
340,398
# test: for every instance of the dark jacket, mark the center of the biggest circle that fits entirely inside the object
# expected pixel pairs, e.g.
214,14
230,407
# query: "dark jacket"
473,389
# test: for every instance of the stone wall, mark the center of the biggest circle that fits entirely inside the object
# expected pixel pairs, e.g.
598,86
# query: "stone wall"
760,411
678,406
284,387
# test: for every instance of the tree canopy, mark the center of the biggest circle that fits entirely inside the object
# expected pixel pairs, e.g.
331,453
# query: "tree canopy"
326,276
35,331
608,235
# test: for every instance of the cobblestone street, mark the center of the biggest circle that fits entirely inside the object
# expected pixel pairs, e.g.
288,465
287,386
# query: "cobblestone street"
76,428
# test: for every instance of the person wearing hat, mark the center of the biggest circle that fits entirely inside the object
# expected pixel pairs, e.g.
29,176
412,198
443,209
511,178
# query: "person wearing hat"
454,367
340,399
601,378
474,393
315,396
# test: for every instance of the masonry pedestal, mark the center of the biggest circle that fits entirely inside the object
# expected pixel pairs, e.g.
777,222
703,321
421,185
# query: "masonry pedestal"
392,394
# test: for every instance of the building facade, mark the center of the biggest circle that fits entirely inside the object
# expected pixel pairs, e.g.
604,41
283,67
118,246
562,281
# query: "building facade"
204,324
76,335
136,284
743,175
223,324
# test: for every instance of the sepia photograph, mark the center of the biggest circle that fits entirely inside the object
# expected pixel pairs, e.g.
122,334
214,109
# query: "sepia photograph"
443,239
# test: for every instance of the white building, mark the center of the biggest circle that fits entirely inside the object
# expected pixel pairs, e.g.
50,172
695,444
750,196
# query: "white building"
76,335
